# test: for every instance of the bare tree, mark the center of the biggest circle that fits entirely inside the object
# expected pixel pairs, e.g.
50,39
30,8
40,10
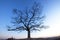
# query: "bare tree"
28,20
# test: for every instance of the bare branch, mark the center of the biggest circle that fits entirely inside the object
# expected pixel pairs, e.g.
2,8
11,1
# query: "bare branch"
29,20
35,29
17,29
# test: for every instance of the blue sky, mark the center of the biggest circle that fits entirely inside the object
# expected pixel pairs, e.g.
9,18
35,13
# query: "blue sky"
51,8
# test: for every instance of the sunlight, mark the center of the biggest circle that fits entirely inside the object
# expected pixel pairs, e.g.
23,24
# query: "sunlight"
51,9
53,21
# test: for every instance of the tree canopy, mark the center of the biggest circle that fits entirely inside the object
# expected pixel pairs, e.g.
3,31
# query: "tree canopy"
28,20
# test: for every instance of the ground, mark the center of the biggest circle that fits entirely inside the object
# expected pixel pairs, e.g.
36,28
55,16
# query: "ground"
51,38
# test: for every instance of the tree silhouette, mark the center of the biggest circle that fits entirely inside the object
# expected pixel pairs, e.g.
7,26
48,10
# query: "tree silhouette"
28,20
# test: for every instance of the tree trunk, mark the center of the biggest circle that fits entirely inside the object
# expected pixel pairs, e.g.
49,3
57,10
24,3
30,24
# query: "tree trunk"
28,34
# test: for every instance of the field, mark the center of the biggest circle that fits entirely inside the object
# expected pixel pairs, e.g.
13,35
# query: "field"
51,38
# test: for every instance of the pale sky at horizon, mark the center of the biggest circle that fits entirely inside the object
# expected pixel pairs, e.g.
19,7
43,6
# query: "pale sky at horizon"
51,10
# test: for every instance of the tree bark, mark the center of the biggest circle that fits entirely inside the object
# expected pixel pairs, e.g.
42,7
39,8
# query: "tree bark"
28,34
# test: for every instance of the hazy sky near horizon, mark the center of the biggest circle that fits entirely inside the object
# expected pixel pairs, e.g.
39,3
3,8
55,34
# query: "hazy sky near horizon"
51,8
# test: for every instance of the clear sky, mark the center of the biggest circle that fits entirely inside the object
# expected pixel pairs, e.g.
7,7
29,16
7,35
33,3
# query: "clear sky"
51,8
